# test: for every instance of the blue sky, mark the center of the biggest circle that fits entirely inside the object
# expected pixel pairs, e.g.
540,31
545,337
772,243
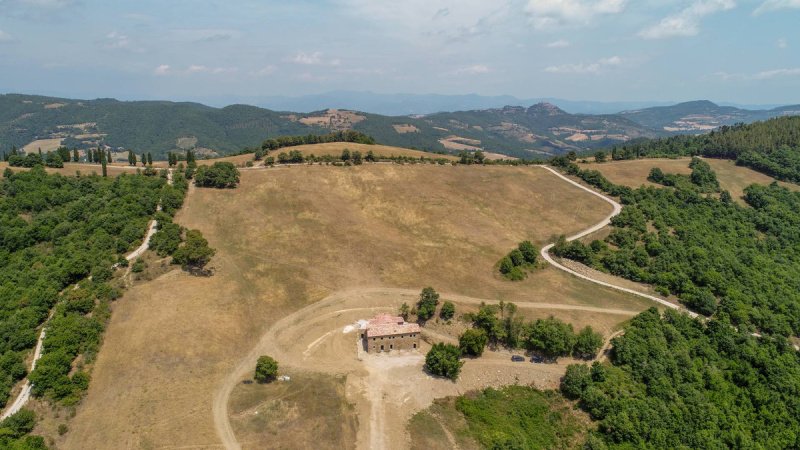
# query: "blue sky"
609,50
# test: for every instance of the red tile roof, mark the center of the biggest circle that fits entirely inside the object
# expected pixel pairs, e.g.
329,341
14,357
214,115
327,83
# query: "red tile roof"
389,325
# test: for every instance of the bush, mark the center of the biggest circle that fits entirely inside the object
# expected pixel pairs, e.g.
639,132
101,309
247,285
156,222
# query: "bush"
472,342
448,311
575,381
220,175
266,369
138,266
443,360
529,252
18,424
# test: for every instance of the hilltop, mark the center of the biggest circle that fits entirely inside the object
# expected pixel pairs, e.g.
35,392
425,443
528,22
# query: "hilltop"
701,116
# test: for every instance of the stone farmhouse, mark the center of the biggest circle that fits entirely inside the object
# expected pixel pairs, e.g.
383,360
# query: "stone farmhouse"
386,332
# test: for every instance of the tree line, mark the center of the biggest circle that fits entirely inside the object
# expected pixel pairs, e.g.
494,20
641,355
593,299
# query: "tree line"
771,147
499,325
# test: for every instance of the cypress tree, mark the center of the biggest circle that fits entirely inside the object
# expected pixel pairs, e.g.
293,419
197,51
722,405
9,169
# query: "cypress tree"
75,155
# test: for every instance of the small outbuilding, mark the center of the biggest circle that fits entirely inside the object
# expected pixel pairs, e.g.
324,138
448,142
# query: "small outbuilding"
386,332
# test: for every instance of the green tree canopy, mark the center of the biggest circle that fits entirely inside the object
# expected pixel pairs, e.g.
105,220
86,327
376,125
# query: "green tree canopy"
443,360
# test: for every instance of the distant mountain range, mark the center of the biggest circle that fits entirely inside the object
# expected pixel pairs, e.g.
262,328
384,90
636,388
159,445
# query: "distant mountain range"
160,126
416,104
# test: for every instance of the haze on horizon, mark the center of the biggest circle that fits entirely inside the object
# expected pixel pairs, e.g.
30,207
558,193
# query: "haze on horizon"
742,51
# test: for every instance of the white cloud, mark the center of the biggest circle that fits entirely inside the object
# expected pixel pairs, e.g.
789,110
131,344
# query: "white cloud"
205,34
166,69
118,41
763,75
774,5
549,14
163,69
687,21
561,43
782,43
195,68
314,59
5,37
264,71
591,68
476,69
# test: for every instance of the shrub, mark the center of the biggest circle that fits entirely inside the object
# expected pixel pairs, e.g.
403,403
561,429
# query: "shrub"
472,342
575,381
138,266
448,311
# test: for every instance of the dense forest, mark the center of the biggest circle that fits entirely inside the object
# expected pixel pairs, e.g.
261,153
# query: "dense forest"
676,382
56,232
771,147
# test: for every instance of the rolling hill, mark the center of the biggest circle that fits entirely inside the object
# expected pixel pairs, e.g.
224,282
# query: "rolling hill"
701,116
539,131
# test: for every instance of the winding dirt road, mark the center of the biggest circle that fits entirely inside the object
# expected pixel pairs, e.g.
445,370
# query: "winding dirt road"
617,209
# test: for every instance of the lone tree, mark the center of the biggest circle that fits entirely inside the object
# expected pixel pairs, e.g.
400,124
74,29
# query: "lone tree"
266,369
448,311
426,306
443,360
472,342
195,252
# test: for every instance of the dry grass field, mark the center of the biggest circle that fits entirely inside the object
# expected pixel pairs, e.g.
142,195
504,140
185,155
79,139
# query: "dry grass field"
731,177
335,149
71,169
288,238
46,145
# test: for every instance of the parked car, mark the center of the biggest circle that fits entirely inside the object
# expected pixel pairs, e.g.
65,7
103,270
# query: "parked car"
517,358
537,359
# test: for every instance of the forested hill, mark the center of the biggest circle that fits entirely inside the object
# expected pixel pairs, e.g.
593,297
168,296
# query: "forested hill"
701,116
158,127
771,147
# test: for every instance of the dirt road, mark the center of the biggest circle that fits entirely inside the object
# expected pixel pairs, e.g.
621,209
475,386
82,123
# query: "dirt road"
617,209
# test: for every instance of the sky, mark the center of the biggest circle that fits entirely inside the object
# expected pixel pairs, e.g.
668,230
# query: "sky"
743,51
